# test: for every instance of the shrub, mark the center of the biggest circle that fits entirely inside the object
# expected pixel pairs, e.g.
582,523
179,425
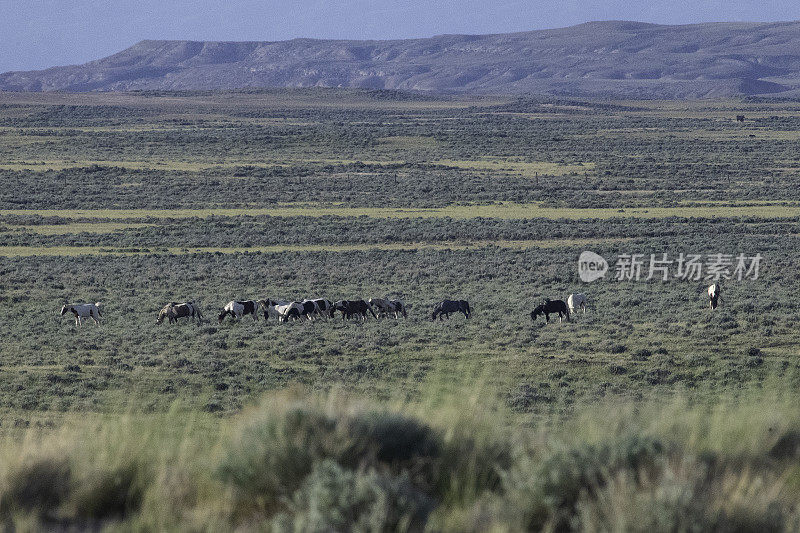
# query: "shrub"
684,498
547,490
335,499
38,485
109,492
269,457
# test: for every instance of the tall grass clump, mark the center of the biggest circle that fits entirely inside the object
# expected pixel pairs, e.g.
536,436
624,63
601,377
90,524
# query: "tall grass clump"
331,462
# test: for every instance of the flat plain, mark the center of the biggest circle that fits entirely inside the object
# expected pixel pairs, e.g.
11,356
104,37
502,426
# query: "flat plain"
135,200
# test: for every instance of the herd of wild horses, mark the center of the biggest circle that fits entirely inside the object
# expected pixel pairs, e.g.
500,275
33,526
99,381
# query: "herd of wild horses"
285,310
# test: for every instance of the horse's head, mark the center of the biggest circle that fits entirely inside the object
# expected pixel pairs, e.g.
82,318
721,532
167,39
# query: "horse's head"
162,315
221,316
65,309
538,311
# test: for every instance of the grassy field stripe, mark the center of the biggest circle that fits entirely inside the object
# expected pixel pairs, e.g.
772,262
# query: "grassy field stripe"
25,251
78,227
506,211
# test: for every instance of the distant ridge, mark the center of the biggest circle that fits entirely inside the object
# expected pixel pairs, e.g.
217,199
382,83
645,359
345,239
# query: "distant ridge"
612,59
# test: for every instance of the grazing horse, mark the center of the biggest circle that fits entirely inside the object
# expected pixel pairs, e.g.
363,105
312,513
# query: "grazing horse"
82,311
445,307
173,311
269,306
324,307
238,309
714,294
308,308
551,306
385,306
354,307
382,306
577,300
399,308
288,310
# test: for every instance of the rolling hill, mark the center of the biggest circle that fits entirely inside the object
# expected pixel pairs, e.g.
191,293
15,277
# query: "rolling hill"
620,59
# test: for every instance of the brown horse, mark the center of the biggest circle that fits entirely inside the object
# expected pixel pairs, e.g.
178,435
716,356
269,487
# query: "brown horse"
173,311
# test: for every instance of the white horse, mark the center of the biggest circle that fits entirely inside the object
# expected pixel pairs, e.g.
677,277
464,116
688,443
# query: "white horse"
82,311
714,295
577,300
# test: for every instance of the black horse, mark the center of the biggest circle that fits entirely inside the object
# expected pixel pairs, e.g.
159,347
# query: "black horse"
551,306
351,308
445,307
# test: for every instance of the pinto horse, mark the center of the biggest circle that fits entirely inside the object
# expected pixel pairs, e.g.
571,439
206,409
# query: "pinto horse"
714,294
551,306
174,310
82,311
288,310
239,309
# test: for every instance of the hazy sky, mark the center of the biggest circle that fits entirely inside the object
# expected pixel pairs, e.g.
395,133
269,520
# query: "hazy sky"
42,33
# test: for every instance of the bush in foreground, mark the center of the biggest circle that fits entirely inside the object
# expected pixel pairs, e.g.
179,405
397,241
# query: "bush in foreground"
330,463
